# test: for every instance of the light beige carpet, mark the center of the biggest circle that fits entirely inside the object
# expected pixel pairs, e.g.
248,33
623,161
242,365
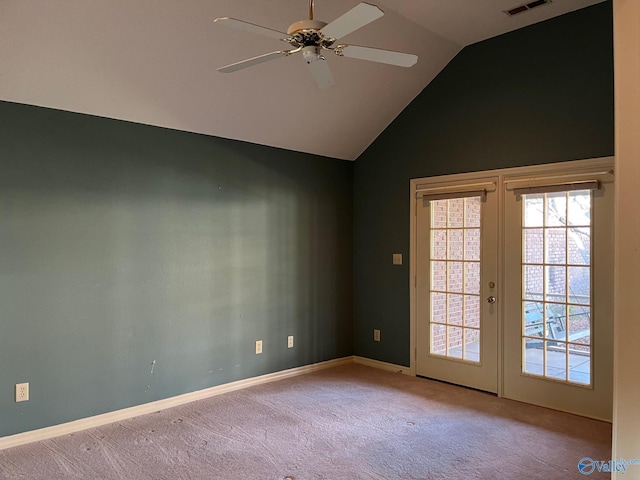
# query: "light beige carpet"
350,422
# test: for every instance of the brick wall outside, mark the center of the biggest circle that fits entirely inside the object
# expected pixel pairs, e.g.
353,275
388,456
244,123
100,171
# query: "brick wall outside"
455,249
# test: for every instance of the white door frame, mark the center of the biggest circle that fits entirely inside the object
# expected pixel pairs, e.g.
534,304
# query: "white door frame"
605,164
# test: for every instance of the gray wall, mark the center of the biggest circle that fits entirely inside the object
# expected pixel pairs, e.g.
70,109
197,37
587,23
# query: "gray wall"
138,263
538,95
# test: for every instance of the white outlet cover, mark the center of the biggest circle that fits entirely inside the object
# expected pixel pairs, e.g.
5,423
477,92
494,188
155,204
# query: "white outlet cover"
290,341
22,392
397,259
258,347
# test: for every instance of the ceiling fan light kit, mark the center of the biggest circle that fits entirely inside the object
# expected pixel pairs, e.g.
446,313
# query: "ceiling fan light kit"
313,37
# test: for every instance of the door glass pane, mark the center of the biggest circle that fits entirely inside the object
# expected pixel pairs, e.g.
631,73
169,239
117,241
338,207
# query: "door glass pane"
556,249
454,311
438,339
580,251
532,281
579,285
534,209
454,337
455,212
472,244
532,245
533,361
555,209
471,344
472,277
556,361
455,244
438,307
556,280
455,278
438,276
472,311
555,287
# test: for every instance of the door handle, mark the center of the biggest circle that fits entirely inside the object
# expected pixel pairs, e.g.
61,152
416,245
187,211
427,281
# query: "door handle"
491,299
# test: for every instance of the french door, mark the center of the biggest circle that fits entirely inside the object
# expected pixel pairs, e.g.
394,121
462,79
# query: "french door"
558,295
457,251
513,283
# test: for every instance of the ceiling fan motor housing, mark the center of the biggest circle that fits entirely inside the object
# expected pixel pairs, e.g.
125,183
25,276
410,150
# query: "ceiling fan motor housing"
305,25
307,33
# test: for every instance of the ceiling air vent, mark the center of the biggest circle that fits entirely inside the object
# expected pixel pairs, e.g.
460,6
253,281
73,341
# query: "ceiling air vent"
526,7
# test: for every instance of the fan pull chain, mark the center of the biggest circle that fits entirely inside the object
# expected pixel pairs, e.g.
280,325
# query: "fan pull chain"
310,9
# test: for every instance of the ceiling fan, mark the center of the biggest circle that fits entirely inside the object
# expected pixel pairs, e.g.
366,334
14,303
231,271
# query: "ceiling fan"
313,37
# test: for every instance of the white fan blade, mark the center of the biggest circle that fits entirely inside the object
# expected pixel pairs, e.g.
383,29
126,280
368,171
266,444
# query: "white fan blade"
253,61
321,74
378,55
359,16
250,27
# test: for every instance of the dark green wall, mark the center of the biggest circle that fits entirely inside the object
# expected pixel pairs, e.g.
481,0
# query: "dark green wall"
537,95
138,263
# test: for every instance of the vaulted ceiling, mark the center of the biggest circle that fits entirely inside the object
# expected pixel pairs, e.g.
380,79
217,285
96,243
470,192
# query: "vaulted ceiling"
154,62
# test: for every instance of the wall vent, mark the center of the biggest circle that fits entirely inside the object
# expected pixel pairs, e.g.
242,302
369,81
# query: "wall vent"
526,7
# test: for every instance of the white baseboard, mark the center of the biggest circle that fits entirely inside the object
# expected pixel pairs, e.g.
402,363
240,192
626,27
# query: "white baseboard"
382,365
126,413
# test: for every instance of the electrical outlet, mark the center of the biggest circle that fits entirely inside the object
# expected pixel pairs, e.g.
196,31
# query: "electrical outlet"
397,259
376,335
22,392
290,341
258,347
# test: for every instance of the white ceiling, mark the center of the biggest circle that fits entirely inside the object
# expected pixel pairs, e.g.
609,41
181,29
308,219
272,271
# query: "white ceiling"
154,62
